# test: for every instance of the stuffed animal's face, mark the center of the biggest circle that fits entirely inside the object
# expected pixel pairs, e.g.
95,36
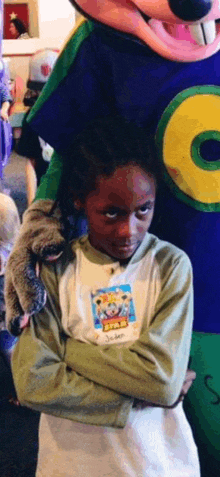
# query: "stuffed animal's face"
180,30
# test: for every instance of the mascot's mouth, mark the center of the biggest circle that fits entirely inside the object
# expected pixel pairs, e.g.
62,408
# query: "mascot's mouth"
187,41
200,34
205,33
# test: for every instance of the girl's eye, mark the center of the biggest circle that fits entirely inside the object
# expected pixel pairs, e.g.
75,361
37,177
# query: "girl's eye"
144,209
111,214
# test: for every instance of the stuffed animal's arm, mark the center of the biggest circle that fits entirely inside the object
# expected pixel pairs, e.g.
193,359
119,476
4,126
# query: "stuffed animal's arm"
40,237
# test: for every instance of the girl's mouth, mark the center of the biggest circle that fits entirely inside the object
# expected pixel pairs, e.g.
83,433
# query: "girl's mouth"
127,247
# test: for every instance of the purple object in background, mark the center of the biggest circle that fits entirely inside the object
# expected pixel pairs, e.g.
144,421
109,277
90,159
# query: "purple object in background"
6,144
6,139
1,25
5,129
1,30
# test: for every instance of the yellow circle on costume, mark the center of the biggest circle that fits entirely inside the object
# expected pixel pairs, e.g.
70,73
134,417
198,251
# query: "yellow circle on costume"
188,130
196,115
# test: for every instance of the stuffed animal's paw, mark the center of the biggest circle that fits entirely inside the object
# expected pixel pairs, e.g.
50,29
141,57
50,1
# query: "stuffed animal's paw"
40,239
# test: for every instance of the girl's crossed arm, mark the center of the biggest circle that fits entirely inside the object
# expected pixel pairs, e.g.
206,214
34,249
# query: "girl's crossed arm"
90,383
153,368
44,381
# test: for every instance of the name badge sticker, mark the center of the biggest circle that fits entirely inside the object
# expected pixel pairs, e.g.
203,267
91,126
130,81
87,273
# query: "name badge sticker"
113,314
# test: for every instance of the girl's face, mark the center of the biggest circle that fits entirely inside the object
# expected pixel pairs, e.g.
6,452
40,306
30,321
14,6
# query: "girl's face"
120,211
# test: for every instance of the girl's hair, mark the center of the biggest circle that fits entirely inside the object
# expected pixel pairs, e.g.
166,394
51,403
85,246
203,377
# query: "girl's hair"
19,25
105,145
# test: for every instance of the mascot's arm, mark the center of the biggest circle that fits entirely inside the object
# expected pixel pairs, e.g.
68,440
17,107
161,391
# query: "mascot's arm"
74,94
50,181
41,236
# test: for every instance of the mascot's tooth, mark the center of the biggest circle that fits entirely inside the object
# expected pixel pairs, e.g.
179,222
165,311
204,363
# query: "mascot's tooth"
203,33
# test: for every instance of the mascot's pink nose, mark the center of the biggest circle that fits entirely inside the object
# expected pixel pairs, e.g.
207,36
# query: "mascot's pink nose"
190,10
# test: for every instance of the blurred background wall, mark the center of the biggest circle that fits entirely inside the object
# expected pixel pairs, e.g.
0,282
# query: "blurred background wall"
50,23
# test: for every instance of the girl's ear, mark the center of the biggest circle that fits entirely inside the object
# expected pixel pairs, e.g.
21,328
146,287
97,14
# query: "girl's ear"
78,204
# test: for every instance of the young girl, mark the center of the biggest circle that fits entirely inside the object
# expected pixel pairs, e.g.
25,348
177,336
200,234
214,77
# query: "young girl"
106,359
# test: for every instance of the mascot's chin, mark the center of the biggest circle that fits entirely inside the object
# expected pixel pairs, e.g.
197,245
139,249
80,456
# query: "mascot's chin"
178,30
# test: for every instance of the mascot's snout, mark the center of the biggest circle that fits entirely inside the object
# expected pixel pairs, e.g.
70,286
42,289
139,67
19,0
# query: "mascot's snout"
190,10
179,30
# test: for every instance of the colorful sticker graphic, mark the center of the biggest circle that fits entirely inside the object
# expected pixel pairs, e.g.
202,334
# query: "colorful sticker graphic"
188,136
113,308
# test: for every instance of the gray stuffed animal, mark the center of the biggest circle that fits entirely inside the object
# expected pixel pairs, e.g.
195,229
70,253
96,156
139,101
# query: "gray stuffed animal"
41,237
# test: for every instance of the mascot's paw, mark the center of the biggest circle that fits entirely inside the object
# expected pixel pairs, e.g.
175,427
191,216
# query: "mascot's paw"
40,238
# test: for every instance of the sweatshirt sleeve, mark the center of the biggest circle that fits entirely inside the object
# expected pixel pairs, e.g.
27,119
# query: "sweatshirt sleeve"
153,368
45,382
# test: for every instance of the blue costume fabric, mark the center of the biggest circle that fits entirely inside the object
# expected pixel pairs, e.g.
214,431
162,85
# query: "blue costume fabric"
103,72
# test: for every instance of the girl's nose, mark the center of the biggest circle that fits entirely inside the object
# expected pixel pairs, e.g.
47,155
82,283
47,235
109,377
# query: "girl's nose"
127,228
190,10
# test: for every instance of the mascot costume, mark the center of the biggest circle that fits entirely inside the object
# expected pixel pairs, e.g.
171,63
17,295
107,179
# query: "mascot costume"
157,63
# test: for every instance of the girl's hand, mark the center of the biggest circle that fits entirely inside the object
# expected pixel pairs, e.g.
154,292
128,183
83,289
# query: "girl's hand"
189,378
